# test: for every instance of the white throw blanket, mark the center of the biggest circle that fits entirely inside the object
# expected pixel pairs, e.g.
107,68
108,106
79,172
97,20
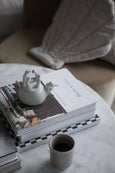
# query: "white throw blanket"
81,30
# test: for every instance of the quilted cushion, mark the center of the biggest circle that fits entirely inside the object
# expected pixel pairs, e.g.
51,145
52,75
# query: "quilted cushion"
81,31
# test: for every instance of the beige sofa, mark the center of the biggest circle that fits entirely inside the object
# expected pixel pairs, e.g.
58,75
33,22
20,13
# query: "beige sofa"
98,74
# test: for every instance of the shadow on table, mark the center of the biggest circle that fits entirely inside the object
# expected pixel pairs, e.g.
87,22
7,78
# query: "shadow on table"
48,167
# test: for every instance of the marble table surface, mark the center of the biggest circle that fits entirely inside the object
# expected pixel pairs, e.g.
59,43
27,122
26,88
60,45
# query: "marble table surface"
94,149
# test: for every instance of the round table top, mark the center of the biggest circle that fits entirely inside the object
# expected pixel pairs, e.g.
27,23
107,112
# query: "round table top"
95,147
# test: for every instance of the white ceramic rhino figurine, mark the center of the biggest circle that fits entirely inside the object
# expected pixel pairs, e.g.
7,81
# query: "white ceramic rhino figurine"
32,91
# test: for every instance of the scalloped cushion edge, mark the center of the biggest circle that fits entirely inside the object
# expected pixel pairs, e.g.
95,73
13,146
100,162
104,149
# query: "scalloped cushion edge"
57,63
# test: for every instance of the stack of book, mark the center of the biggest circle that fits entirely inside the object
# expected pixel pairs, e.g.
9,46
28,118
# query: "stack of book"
8,153
69,108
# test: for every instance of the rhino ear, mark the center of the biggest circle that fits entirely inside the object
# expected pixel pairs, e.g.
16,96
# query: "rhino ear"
18,84
81,30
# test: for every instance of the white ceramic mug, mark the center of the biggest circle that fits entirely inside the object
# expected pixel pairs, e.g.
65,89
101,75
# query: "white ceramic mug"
61,151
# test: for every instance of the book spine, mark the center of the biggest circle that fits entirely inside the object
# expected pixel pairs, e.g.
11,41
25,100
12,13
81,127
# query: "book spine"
58,118
68,130
12,166
56,126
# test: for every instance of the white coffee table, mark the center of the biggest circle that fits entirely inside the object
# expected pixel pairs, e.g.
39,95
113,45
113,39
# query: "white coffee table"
95,147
